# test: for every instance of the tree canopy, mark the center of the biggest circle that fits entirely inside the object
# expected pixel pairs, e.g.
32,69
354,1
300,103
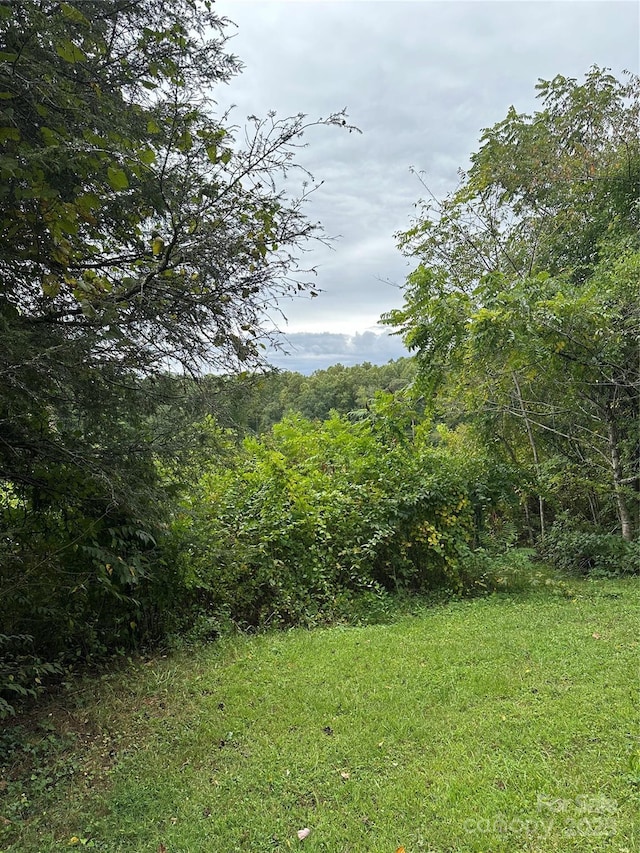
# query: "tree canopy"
140,232
131,216
523,308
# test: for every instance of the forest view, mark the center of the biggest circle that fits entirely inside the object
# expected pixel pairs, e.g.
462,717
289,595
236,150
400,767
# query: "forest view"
157,479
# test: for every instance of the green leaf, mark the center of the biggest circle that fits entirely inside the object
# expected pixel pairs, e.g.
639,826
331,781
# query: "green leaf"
185,141
60,253
212,153
70,52
117,178
73,14
153,126
93,138
147,155
87,202
48,136
9,133
50,285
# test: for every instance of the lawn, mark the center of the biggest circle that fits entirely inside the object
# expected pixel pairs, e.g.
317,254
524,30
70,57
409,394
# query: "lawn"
505,723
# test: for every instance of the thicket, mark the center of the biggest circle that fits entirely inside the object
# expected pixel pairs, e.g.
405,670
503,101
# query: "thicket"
317,520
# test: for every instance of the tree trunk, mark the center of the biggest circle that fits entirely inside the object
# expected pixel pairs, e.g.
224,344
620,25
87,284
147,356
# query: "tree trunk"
534,452
525,505
626,522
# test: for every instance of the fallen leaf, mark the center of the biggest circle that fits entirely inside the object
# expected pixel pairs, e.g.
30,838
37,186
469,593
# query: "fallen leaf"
328,730
304,833
596,636
401,850
345,775
162,848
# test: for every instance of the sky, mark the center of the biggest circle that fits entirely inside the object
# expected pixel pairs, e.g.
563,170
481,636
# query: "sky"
421,80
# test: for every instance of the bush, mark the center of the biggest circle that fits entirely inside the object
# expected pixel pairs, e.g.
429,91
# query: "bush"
512,571
581,549
374,606
317,516
22,672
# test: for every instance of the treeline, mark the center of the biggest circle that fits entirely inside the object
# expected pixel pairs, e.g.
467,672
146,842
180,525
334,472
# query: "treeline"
252,404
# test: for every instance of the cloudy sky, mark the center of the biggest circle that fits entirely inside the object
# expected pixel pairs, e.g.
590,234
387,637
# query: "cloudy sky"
420,79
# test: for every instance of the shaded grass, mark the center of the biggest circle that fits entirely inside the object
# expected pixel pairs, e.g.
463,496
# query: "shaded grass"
499,724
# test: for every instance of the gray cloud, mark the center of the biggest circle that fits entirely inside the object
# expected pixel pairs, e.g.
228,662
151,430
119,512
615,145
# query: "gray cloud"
305,352
421,79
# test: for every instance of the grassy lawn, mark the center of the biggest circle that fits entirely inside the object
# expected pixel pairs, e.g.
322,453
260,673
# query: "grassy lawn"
498,724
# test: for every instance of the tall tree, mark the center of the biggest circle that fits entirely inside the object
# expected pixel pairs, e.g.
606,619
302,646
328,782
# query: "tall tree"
128,212
523,308
139,232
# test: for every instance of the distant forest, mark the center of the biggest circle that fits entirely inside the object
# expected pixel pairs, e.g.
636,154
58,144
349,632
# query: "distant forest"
254,403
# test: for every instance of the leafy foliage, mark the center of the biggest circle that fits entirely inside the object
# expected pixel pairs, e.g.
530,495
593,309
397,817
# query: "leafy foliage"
523,308
139,233
129,212
251,403
316,511
578,549
21,672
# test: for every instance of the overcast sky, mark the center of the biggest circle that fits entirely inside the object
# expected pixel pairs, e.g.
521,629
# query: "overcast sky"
421,80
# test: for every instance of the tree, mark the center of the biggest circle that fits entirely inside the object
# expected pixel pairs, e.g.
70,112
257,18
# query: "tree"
523,308
129,213
140,232
253,403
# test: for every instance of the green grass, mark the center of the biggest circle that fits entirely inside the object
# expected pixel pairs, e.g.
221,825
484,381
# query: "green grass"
498,724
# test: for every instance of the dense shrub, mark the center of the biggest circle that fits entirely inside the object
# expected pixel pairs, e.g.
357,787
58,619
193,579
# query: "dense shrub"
314,514
579,548
21,671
